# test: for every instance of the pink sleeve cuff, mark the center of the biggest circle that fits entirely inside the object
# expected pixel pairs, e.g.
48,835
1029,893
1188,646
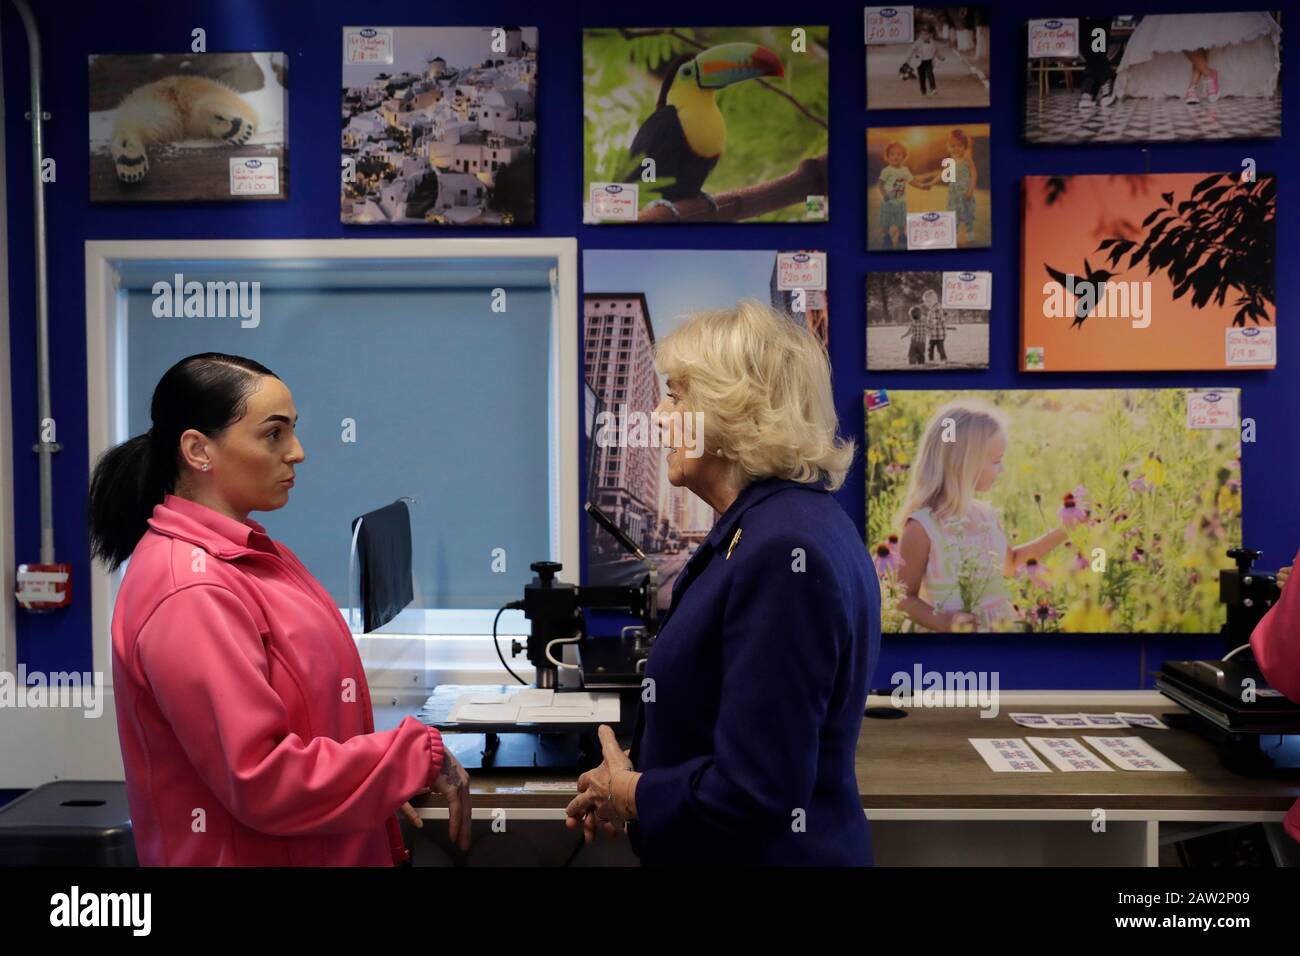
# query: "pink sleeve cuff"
436,754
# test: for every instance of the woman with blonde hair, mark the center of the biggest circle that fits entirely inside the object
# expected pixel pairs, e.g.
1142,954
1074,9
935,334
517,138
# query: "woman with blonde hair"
744,746
955,552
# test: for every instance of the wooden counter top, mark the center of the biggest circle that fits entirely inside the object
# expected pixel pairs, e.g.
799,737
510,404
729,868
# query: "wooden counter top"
924,762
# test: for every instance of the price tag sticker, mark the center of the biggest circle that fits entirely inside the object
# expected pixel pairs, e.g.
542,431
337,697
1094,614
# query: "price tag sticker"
255,177
1251,346
1211,410
888,25
1057,37
613,201
367,45
968,290
932,230
800,270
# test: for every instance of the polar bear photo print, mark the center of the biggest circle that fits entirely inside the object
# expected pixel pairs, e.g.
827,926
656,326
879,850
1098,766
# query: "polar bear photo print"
191,126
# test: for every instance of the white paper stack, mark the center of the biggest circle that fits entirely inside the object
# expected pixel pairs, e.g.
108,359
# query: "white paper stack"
532,705
1009,755
1116,721
1067,754
1133,753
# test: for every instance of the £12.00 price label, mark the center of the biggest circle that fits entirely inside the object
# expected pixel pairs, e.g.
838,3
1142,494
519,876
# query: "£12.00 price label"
1057,37
800,270
889,24
368,45
968,290
932,230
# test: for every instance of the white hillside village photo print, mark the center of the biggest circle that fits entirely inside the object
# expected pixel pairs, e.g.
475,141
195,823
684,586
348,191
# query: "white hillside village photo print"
439,125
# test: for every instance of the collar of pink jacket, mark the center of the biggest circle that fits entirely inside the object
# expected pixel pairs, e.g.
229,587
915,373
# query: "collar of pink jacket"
220,535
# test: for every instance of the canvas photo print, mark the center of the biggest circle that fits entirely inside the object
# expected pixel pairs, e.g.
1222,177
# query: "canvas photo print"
439,126
705,124
1097,511
927,57
927,321
928,187
1150,272
184,127
1180,77
631,300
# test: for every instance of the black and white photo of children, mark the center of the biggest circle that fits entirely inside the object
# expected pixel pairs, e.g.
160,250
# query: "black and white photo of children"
908,328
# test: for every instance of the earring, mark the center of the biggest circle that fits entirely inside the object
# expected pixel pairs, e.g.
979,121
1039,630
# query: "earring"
205,466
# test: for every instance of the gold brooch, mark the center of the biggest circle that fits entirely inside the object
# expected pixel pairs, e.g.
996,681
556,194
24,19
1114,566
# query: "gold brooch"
735,540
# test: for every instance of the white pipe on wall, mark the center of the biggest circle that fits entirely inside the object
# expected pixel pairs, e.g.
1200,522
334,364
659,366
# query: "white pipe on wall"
8,561
44,412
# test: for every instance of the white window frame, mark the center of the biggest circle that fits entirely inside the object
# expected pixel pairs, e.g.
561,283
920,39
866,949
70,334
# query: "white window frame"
396,661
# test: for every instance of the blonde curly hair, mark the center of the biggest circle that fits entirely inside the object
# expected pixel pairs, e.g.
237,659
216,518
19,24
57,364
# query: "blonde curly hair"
763,384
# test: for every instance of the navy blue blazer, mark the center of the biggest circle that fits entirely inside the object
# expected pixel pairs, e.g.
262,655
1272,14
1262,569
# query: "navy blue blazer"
760,675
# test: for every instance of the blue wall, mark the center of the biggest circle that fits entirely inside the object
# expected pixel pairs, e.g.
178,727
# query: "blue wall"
310,33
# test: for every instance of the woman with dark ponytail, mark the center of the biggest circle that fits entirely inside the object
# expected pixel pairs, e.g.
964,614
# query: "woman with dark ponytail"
243,712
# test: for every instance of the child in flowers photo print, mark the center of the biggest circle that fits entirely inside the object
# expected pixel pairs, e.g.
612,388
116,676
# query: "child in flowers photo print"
1074,510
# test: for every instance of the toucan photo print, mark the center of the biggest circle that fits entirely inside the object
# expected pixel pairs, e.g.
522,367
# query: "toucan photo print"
705,125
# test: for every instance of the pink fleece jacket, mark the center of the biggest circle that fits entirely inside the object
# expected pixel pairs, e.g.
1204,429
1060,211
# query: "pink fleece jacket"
1276,643
243,711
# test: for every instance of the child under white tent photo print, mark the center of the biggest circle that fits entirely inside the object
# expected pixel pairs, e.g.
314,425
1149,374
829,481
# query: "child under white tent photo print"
1180,77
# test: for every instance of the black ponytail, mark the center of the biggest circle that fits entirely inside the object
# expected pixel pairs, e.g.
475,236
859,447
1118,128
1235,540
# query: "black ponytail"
206,392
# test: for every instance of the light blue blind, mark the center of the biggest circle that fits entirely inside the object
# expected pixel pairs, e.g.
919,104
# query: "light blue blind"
450,400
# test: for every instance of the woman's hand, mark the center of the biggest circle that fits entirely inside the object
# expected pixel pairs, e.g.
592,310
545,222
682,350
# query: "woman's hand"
1282,575
452,783
412,815
606,795
959,621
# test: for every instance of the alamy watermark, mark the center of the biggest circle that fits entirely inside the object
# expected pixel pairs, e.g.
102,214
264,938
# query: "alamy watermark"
208,300
1103,299
133,911
922,688
634,429
60,689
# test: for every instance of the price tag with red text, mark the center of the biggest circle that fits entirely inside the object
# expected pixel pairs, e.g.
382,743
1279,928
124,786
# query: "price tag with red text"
368,45
616,201
889,24
255,177
1212,410
968,290
1057,37
1251,346
800,270
932,230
